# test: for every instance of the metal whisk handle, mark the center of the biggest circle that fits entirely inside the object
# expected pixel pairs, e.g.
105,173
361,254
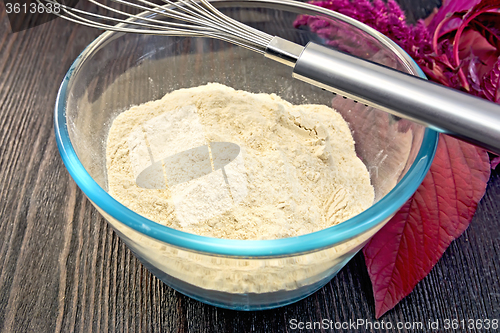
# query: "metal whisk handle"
443,109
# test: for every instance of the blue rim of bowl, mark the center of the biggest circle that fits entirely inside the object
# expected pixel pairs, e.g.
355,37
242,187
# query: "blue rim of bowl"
325,238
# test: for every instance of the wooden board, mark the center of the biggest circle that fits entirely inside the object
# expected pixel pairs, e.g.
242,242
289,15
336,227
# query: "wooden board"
62,269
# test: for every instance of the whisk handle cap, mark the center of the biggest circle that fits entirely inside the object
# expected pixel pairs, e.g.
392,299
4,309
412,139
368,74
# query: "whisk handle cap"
443,109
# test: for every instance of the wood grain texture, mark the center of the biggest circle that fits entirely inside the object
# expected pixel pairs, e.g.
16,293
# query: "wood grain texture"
62,269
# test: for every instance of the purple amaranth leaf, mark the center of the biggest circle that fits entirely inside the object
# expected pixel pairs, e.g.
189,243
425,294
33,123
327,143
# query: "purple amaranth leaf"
494,162
491,83
488,25
449,8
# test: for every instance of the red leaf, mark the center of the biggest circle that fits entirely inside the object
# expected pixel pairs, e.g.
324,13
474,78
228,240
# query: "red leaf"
487,24
449,8
472,14
404,251
494,162
491,83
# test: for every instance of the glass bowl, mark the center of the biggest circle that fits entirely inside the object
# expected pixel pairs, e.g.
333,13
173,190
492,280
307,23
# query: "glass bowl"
117,71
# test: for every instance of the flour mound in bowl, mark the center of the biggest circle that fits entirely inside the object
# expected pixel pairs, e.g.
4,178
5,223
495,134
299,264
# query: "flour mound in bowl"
226,163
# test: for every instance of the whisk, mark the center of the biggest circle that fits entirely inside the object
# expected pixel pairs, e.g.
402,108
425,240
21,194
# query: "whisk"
443,109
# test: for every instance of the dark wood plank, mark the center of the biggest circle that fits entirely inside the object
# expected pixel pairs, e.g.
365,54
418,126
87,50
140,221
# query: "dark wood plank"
62,269
416,10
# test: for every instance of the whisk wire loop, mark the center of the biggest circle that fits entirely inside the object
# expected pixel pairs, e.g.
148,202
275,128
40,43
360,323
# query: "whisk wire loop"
182,18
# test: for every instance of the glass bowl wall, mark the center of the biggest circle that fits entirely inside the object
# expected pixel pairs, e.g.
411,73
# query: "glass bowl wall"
119,70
